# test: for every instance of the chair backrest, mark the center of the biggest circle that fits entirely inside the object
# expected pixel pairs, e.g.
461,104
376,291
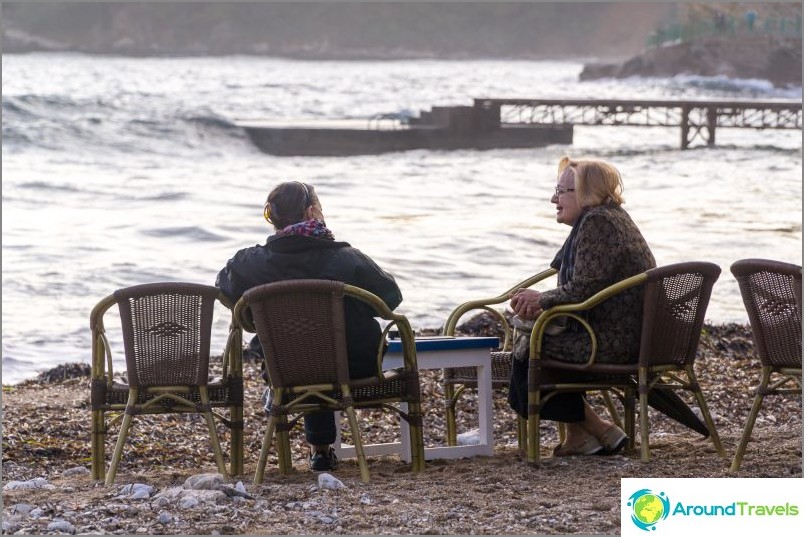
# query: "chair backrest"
167,328
676,298
302,329
771,292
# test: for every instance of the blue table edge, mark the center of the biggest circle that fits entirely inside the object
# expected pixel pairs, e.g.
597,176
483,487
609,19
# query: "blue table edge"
448,344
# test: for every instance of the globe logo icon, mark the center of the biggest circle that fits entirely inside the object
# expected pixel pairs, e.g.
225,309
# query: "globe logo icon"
648,508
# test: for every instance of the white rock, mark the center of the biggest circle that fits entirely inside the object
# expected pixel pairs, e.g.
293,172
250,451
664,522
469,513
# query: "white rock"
240,487
78,470
188,502
62,526
21,509
36,483
469,438
136,491
203,481
330,482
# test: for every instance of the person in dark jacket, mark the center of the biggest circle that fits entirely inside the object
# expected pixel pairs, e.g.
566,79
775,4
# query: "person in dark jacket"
302,247
604,247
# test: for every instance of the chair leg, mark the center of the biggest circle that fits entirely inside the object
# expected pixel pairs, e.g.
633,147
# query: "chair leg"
629,402
361,456
266,445
533,436
236,455
749,425
118,449
450,401
213,431
282,433
615,416
710,424
643,424
416,437
98,445
522,434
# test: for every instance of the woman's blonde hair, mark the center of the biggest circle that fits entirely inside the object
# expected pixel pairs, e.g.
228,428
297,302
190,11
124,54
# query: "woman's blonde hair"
596,181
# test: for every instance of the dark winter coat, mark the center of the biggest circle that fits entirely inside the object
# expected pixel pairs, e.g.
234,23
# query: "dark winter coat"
300,257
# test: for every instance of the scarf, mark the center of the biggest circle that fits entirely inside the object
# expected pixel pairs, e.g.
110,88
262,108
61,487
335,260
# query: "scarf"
567,253
308,228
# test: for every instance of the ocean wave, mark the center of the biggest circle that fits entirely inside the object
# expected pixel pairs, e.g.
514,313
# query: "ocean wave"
742,86
193,233
124,123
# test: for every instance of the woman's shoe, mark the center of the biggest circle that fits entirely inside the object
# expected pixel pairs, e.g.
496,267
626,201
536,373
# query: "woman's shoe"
613,440
590,446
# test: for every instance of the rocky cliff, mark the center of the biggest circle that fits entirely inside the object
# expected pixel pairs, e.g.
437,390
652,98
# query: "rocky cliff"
760,57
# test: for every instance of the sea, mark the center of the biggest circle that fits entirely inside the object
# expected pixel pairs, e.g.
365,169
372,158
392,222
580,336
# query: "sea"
118,171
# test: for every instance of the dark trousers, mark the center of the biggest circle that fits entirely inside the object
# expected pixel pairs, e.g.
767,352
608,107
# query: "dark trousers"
319,428
567,407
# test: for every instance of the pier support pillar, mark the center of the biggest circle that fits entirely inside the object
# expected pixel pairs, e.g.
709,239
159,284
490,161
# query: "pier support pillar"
685,127
711,123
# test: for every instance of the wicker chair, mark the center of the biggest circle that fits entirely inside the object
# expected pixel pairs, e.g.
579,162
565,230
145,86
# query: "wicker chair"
166,329
676,298
301,326
771,292
457,379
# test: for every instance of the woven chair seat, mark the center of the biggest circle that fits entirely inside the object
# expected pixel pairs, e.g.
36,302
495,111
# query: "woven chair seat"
467,376
115,397
396,385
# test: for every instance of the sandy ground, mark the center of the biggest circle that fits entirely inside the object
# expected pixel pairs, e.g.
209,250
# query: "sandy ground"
46,431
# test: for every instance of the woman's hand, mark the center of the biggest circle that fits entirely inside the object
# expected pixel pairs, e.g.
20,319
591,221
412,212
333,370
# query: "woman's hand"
525,303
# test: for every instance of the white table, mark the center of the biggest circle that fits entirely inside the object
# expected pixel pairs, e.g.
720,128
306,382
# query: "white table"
438,353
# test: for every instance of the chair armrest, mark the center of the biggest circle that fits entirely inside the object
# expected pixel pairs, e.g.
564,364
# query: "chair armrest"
573,310
101,351
401,322
241,317
485,303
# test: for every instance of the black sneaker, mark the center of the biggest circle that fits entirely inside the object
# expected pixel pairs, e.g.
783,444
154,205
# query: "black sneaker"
322,462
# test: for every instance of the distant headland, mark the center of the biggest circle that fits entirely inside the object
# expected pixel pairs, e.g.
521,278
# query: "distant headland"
771,58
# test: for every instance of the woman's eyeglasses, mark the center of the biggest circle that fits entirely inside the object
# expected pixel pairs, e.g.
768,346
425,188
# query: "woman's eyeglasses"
560,190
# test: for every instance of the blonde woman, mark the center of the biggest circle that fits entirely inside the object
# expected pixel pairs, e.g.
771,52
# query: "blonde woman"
603,247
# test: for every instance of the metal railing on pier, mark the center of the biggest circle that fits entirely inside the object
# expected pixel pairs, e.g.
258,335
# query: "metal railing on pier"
697,119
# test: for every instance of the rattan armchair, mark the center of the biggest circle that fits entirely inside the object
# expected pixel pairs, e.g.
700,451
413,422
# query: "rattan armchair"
301,327
675,301
771,292
457,379
166,330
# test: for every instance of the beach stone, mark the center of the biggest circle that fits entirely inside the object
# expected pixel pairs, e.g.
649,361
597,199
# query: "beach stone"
35,483
203,481
469,438
165,517
78,470
329,482
36,512
62,526
22,509
136,491
188,502
202,496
